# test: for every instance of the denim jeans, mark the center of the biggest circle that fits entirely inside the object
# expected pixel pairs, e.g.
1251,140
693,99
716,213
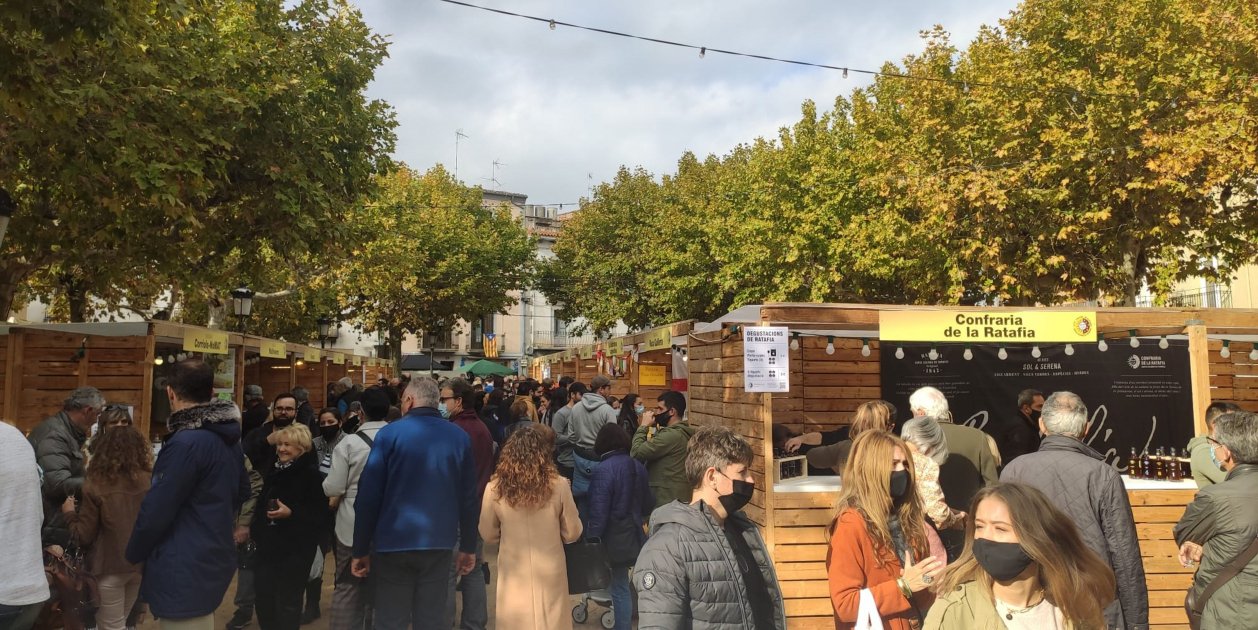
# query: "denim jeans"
410,588
622,598
475,600
583,471
19,617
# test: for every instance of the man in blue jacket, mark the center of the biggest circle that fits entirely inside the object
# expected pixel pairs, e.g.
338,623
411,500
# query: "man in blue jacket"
183,533
421,466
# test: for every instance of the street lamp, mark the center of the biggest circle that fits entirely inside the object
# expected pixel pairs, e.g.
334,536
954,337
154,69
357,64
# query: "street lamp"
325,327
242,305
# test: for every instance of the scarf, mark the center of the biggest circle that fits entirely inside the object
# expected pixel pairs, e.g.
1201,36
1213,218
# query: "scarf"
195,417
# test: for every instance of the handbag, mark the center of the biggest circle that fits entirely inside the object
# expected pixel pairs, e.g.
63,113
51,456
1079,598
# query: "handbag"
587,567
1196,605
74,589
867,617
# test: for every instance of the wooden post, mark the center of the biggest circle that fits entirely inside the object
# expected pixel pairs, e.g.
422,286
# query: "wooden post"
769,466
146,397
1199,362
13,373
238,387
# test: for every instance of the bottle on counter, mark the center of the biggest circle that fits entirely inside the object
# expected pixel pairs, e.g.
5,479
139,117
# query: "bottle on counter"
1133,464
1175,473
1146,465
1159,464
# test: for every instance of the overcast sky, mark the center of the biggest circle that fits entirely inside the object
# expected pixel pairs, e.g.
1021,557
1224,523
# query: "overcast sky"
559,107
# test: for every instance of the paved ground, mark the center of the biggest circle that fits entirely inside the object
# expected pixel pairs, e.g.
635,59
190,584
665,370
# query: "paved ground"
224,612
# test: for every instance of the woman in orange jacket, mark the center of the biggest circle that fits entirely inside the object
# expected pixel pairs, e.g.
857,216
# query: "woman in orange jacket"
879,540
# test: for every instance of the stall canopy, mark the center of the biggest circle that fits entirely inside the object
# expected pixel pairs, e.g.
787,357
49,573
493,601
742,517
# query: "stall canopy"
485,367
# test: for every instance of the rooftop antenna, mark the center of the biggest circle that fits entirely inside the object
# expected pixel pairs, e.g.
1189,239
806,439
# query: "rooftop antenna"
458,135
494,179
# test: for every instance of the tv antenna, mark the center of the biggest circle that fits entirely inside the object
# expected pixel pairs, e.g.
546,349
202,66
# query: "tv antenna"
458,135
494,177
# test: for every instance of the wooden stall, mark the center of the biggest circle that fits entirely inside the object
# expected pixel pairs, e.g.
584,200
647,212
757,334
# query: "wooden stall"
129,361
826,388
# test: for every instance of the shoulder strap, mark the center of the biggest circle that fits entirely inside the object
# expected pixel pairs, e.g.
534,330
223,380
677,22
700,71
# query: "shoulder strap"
365,438
1234,567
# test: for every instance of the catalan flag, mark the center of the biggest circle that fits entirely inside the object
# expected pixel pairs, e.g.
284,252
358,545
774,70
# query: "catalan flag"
490,345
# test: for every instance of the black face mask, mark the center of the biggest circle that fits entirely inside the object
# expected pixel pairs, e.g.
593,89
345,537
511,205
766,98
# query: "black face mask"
734,501
899,483
1002,561
663,417
1035,416
329,432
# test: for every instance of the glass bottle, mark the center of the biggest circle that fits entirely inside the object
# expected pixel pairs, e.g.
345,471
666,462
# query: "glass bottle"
1175,474
1133,464
1146,465
1159,464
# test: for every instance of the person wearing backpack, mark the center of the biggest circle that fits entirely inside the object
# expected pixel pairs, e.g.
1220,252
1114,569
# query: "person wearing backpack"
620,500
350,602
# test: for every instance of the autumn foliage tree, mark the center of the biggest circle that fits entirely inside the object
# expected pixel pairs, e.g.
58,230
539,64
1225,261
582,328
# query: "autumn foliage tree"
1075,151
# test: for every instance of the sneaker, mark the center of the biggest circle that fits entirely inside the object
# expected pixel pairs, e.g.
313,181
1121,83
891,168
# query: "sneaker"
239,621
309,615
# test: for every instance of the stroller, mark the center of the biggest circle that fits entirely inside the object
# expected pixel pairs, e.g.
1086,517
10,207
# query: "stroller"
581,612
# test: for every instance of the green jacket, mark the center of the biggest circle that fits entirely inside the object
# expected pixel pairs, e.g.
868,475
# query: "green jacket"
969,607
1204,470
665,459
1223,519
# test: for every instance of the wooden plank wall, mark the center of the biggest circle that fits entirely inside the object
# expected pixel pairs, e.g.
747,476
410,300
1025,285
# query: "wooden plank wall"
1156,513
4,366
48,368
273,381
311,376
654,357
1234,379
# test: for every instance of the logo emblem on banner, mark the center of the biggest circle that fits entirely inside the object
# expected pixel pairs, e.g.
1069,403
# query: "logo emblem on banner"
1083,326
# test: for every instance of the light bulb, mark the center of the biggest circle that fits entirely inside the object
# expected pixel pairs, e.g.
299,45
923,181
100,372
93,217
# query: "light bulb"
933,354
899,353
170,358
1225,352
968,354
158,361
1164,344
1135,342
1070,350
1253,354
1002,354
794,343
1035,351
829,345
1101,345
865,349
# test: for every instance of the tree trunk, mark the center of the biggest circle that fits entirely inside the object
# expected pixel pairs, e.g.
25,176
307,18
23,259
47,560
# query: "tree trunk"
76,297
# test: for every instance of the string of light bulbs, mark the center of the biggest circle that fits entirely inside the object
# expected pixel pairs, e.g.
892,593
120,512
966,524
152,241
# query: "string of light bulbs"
846,70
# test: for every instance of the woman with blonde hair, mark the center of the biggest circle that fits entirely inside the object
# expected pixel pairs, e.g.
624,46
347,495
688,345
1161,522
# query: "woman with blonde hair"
879,540
1024,566
875,415
113,489
529,511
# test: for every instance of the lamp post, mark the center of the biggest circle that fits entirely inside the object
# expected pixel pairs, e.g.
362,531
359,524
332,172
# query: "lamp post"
242,306
325,327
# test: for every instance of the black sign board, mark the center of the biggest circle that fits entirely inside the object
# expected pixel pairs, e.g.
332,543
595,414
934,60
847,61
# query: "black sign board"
1137,397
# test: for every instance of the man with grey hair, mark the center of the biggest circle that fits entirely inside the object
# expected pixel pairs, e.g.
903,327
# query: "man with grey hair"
417,499
1079,482
970,466
1222,522
58,443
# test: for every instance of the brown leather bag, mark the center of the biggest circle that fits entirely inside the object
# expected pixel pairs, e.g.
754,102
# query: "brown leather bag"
1196,605
75,589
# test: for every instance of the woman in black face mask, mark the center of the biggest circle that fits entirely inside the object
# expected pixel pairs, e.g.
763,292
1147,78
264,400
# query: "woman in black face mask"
1024,567
879,541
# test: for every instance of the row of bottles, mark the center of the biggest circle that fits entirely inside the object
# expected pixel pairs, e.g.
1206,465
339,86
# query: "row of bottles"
1158,466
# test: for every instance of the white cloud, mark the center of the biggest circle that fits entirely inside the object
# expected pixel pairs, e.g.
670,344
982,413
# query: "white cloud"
554,106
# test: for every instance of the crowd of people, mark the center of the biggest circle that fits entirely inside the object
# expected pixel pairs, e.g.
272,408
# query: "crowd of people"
404,483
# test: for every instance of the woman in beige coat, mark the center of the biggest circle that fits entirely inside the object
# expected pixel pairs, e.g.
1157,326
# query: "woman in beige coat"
528,509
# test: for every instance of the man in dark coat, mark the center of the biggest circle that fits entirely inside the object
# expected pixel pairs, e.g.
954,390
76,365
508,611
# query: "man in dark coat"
1018,434
1091,492
259,444
1221,522
184,532
58,443
255,412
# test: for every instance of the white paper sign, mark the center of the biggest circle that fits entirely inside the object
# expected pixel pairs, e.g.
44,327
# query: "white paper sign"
766,359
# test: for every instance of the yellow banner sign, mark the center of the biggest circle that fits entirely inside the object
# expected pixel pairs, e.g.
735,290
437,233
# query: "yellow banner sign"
658,339
273,350
207,341
652,376
586,352
356,360
313,355
976,326
614,347
337,357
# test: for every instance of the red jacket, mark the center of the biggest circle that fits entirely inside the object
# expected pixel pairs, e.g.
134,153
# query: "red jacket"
851,565
482,447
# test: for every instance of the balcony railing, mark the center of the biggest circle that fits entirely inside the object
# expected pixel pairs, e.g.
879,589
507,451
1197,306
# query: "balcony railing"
551,339
1210,297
